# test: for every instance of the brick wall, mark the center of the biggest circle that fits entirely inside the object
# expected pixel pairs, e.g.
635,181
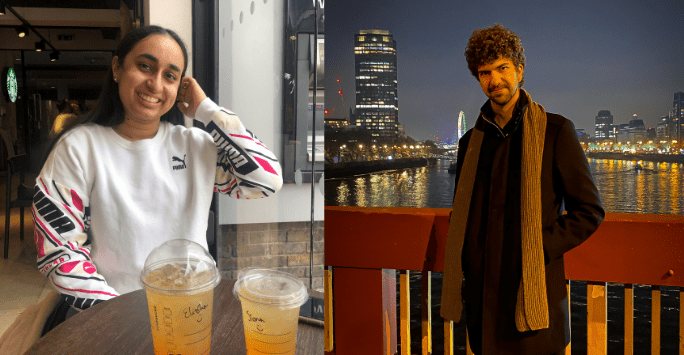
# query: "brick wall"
282,246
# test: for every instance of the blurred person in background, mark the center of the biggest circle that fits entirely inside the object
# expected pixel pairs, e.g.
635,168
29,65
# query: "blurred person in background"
67,111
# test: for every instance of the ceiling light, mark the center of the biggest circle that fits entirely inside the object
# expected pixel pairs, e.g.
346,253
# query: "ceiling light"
40,46
22,31
54,56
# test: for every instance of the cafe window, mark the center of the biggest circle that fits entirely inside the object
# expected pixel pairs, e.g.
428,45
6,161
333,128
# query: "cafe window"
303,94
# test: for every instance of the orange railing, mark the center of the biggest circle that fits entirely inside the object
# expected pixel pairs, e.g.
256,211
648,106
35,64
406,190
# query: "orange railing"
365,245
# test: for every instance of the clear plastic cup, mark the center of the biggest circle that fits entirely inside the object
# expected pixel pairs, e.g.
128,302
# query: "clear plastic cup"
270,309
179,278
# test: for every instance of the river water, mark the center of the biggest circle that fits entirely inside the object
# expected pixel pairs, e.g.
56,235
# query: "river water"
656,189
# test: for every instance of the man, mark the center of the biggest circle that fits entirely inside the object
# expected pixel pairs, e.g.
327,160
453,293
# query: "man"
518,169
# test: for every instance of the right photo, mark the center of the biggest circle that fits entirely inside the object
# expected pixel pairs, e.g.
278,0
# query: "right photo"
504,178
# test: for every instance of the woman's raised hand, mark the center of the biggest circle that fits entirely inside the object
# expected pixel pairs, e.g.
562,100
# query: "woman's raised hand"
190,94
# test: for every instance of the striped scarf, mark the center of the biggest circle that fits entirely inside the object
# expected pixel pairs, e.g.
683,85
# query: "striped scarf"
531,311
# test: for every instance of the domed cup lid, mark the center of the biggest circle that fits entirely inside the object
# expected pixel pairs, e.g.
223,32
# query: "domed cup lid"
179,265
270,287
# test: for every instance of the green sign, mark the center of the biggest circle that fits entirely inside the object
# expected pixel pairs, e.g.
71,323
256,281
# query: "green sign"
12,85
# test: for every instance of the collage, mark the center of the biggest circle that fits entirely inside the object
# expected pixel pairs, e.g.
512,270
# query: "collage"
342,178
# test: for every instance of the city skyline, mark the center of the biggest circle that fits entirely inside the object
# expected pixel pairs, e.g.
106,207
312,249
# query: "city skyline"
581,58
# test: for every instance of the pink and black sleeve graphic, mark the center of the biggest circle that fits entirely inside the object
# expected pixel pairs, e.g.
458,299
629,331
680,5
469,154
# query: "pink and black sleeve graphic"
61,221
246,168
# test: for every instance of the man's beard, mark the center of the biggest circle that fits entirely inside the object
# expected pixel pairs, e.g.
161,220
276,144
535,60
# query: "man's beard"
502,98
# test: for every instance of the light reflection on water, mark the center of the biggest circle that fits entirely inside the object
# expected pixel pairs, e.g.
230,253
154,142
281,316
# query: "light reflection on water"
429,186
657,189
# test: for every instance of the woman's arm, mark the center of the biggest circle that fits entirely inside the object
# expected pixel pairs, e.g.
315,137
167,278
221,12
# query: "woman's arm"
61,221
246,168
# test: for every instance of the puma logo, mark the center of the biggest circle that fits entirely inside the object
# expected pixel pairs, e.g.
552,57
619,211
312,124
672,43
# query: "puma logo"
182,161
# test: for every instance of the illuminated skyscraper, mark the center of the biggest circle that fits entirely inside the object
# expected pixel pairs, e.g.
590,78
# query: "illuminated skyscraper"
604,127
637,130
662,130
677,117
377,108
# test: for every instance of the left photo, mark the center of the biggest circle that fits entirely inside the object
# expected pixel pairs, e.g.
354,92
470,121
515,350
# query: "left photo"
162,177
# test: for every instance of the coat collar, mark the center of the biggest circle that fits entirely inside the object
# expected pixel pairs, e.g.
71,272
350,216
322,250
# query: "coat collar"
486,113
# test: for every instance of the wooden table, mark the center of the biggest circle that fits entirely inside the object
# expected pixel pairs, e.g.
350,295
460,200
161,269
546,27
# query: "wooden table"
122,326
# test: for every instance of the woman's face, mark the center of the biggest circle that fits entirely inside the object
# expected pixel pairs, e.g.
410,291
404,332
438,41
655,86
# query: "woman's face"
149,78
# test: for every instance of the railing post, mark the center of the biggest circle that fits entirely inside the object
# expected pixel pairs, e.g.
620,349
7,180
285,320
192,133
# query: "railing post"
655,320
681,321
468,350
329,314
568,349
366,306
405,312
629,319
426,309
596,319
448,337
389,311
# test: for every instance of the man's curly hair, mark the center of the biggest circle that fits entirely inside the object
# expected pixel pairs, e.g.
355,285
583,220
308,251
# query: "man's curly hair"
489,44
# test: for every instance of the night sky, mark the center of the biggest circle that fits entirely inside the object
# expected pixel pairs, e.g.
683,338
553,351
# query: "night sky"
582,56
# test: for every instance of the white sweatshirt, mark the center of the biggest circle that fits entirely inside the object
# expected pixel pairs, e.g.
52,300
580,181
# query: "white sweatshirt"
102,203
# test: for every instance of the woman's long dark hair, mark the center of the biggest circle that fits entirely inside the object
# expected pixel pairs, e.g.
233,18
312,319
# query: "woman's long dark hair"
109,110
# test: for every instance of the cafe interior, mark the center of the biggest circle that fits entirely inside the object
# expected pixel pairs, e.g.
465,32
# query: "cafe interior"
57,50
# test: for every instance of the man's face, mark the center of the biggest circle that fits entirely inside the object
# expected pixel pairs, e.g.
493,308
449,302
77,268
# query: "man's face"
499,80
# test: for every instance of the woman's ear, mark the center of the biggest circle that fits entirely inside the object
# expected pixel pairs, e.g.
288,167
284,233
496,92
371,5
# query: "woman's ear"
115,66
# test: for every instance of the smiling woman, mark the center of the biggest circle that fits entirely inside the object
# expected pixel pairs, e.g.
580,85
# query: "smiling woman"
124,178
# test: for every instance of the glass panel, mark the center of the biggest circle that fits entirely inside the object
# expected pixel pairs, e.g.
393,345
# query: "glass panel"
305,101
303,96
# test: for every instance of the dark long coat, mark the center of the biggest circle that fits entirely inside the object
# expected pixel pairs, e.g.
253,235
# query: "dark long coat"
492,260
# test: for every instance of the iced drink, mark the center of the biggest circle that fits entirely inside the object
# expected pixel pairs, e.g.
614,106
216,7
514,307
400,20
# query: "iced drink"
270,310
180,293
